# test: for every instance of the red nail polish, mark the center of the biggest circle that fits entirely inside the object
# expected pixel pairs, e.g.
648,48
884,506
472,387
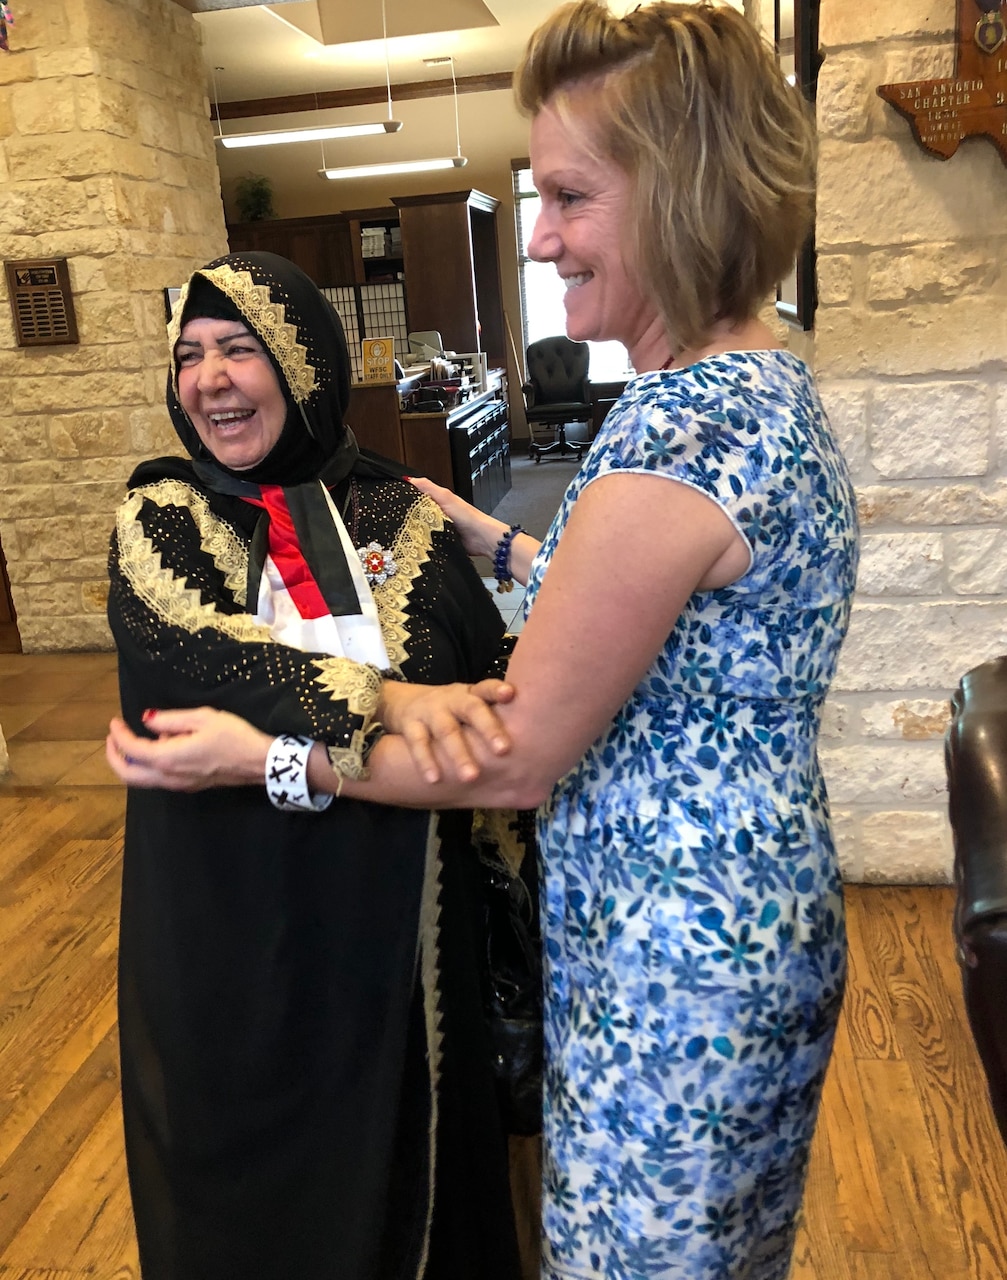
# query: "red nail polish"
148,715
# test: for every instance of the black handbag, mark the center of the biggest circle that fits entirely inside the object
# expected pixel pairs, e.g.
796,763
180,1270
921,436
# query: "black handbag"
513,987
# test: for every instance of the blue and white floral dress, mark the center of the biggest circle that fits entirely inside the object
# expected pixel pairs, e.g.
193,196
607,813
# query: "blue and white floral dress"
692,904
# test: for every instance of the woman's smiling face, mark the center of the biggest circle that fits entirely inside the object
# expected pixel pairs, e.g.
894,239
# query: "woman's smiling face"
583,229
229,388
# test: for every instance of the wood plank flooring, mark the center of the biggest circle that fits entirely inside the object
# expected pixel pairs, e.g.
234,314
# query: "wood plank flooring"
908,1177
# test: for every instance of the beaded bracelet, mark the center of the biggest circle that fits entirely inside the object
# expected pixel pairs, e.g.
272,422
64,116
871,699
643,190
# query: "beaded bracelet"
287,776
501,559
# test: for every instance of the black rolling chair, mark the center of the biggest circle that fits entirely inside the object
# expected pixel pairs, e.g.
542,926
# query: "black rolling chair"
557,393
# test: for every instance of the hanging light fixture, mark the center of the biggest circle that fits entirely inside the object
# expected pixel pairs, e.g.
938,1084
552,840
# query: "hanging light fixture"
393,166
315,133
270,138
457,161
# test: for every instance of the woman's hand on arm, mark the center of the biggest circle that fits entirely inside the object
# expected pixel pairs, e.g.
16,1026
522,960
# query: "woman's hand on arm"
204,747
425,715
194,750
480,532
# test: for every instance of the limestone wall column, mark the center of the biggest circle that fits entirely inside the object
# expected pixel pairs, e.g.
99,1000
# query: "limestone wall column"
911,356
107,160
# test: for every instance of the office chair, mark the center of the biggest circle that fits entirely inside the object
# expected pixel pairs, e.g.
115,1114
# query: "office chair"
556,393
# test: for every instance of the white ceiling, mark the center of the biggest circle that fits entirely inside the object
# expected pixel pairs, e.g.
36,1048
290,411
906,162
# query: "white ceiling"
267,51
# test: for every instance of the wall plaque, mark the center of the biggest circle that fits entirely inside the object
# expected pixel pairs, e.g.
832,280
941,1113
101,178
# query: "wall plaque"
41,301
973,103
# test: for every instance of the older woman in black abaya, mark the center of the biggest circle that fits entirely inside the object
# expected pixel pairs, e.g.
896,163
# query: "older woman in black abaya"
306,1084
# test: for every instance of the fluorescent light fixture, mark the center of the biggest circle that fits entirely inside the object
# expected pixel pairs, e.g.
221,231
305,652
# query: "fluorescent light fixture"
457,161
313,133
269,137
393,167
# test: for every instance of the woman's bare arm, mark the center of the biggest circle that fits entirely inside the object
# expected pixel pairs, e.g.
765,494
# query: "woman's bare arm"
634,550
479,532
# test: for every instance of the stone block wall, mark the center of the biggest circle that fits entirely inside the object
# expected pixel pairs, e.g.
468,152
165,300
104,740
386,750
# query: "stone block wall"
107,160
910,351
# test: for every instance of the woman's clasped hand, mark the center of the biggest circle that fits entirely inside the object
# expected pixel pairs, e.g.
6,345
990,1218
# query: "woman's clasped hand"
193,750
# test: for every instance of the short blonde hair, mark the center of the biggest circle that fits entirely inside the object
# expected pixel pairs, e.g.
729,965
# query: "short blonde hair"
687,99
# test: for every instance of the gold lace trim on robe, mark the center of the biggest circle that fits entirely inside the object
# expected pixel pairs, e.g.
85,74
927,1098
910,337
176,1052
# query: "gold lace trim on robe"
410,551
498,828
429,948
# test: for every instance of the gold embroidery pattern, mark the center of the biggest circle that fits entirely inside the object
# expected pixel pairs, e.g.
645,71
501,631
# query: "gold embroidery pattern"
410,551
498,828
430,965
167,596
359,686
160,589
267,318
216,537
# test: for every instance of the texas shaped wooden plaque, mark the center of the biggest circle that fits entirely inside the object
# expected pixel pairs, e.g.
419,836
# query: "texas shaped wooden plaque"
973,103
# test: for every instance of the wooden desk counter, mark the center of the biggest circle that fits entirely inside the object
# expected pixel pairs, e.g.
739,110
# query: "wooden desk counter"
373,417
466,448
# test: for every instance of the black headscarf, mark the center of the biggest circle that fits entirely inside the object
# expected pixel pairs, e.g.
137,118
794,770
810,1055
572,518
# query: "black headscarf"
303,336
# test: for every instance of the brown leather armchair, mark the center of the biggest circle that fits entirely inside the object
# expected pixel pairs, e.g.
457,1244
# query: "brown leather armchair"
976,760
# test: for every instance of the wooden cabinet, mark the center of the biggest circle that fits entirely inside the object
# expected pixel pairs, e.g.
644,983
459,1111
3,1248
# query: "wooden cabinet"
452,270
379,268
321,247
373,416
329,248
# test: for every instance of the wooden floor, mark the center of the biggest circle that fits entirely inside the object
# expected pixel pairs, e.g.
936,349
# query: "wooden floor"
64,1207
908,1179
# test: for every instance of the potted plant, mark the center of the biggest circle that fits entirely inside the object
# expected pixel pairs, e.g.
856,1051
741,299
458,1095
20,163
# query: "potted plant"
253,195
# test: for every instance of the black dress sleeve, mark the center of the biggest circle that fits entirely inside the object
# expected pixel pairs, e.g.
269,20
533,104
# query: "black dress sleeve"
177,611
